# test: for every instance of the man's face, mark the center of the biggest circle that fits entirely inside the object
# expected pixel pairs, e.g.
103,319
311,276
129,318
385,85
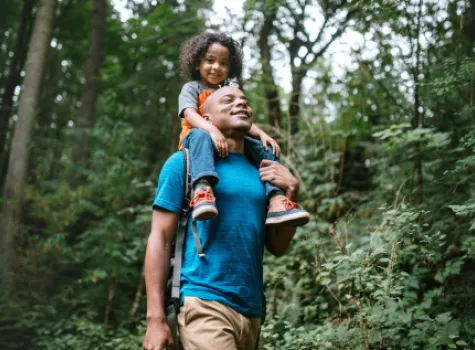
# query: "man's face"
229,110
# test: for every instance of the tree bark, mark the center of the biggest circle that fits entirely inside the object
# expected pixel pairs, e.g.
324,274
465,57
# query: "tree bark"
270,87
17,165
92,69
14,79
294,106
416,121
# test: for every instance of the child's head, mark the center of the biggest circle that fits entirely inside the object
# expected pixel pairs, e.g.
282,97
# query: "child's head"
201,52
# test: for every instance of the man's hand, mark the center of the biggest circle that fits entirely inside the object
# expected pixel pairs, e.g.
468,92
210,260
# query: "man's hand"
158,336
280,176
269,141
219,142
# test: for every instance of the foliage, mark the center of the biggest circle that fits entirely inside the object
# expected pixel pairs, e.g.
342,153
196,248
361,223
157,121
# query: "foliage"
385,158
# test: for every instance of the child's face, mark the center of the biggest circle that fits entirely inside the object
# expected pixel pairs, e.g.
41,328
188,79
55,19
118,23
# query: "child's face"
214,67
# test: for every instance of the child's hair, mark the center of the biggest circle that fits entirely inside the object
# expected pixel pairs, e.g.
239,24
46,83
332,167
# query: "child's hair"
195,48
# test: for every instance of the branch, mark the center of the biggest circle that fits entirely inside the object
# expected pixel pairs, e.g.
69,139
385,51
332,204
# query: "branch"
138,295
294,16
319,35
325,22
384,87
335,35
342,167
281,38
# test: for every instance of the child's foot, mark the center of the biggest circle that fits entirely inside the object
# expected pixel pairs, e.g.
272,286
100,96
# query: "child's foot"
203,201
284,212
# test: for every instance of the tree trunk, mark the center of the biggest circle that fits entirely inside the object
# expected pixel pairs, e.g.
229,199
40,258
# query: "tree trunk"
14,79
17,165
416,121
270,87
294,106
92,68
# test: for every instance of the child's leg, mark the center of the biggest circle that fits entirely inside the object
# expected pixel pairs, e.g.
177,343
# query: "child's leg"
203,174
255,152
282,211
201,150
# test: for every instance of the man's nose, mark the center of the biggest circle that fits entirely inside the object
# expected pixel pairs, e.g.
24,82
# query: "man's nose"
241,102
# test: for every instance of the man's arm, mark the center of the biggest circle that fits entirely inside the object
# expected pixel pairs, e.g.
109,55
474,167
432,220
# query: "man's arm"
157,261
278,239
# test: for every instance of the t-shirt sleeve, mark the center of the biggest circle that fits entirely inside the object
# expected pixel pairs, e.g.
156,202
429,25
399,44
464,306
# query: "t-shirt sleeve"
171,186
188,97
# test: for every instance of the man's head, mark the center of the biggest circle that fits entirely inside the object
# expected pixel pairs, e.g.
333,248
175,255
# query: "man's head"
227,109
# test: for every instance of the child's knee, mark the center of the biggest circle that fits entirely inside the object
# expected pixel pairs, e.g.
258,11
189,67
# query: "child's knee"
198,134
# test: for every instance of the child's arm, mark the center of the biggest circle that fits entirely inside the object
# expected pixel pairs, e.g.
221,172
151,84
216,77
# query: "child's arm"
197,121
257,133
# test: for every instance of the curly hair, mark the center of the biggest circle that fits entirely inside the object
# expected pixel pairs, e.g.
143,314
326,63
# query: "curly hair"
195,48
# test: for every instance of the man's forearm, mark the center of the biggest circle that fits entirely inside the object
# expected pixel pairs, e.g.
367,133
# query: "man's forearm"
278,239
157,263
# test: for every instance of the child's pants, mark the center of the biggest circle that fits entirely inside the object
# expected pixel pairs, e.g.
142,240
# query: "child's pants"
202,155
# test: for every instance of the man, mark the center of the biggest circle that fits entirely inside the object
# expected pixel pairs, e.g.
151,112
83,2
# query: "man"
220,292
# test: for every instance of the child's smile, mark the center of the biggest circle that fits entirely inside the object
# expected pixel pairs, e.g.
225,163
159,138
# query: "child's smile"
214,67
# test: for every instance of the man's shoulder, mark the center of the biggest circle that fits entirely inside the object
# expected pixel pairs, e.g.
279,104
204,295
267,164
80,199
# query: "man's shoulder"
169,195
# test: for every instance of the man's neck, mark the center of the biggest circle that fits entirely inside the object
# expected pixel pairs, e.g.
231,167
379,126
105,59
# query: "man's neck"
236,145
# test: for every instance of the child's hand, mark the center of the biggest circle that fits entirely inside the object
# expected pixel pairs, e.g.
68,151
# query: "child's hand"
219,142
269,141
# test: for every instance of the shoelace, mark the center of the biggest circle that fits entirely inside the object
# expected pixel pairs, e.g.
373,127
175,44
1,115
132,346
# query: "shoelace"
288,204
202,195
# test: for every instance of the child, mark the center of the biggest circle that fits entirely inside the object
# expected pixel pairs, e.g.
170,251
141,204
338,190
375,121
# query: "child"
210,60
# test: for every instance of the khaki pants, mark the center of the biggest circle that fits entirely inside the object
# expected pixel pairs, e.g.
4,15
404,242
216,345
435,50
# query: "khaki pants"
209,325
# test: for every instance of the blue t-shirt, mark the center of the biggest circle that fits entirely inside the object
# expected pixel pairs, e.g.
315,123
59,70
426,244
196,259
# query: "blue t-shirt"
231,271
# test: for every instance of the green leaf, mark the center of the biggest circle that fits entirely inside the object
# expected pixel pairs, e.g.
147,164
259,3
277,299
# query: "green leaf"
443,318
461,343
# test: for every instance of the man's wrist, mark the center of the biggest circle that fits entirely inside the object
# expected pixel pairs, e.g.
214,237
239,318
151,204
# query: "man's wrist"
292,191
156,318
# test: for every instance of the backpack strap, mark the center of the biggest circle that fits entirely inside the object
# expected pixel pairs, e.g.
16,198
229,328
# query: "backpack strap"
196,236
180,234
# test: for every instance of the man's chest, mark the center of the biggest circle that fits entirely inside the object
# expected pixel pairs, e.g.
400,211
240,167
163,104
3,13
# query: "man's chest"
240,184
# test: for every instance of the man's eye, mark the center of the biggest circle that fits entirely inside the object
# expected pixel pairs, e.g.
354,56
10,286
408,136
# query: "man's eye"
209,60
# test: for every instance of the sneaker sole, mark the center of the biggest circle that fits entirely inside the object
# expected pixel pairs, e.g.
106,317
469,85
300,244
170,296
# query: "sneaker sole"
204,212
296,219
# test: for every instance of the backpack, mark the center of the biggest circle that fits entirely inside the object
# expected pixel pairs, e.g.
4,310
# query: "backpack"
172,297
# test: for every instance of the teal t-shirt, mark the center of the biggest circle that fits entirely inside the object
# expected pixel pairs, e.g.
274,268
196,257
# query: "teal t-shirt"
233,242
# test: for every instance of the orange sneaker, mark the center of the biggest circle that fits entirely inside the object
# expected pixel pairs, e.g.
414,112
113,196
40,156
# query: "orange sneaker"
283,212
203,203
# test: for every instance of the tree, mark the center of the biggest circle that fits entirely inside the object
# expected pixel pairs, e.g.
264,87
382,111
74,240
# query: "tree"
17,166
92,68
270,87
14,78
293,24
